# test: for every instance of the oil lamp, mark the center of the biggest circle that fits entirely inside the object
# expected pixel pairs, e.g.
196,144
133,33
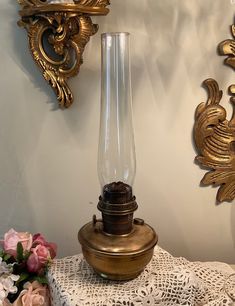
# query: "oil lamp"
117,246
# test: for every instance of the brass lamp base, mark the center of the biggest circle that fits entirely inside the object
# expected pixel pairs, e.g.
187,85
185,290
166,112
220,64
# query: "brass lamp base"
117,257
117,247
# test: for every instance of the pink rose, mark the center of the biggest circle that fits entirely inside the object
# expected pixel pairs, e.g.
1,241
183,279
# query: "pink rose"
39,257
52,247
33,264
39,239
11,239
42,252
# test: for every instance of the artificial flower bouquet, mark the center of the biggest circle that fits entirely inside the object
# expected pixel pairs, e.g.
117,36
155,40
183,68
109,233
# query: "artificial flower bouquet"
24,261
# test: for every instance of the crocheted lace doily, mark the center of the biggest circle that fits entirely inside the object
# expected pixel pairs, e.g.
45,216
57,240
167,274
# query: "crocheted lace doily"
166,281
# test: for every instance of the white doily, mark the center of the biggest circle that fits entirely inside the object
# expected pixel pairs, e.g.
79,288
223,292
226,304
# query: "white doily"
166,281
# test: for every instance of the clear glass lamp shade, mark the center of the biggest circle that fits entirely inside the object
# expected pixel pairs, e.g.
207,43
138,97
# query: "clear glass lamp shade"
116,154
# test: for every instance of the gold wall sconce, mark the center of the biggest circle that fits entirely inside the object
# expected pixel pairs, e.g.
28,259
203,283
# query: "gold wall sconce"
58,33
214,135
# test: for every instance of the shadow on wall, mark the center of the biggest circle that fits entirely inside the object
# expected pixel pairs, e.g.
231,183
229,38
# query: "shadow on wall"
84,113
16,210
173,33
21,55
20,126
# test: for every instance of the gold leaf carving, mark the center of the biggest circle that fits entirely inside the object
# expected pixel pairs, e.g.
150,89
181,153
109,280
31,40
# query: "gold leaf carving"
227,47
214,135
96,3
31,2
215,138
65,29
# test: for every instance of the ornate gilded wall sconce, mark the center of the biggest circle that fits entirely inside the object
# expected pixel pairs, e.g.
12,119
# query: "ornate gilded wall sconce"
214,135
58,31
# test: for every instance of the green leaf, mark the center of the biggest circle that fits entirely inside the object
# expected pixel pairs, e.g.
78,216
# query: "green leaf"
23,277
6,257
41,279
20,251
26,255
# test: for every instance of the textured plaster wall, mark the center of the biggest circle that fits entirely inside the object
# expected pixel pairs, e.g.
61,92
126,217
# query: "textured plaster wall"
48,180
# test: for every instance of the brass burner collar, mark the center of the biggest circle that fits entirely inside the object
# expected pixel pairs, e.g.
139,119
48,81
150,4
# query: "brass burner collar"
117,209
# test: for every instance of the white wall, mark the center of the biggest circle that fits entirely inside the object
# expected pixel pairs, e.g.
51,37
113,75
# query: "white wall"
48,179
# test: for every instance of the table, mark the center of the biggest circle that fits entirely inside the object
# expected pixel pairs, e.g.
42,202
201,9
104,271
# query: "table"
166,281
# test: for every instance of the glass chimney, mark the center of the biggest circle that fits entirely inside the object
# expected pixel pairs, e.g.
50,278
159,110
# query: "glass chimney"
116,154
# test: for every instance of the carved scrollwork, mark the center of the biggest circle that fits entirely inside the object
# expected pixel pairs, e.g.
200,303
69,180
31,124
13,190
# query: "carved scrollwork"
227,47
214,135
102,3
58,35
214,138
29,3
